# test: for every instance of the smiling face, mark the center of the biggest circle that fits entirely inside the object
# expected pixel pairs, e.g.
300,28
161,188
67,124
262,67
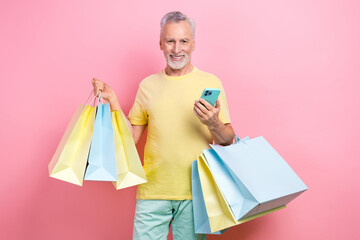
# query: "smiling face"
177,44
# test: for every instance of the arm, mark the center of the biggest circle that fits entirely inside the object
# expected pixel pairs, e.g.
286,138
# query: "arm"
108,94
223,134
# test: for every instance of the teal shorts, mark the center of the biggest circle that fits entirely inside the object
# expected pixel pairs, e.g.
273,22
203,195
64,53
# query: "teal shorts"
153,218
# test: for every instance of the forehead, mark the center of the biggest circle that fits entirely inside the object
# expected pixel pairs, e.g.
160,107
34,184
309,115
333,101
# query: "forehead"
180,29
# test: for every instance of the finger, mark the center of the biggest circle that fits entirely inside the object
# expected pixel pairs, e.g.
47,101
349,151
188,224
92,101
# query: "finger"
97,89
97,83
217,105
196,114
95,80
100,86
96,92
201,107
199,112
206,104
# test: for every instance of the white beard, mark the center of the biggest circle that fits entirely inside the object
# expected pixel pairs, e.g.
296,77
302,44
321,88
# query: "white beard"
177,65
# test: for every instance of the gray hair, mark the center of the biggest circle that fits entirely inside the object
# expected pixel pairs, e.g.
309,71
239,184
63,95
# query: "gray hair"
177,16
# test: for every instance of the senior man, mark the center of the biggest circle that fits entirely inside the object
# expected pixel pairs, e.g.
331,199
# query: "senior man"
180,126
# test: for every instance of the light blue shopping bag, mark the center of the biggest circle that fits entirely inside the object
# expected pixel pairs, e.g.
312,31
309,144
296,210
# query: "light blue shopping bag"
201,220
252,176
102,161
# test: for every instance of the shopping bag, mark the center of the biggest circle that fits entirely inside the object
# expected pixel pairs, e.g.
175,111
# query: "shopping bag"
201,219
102,161
218,213
69,161
128,164
252,176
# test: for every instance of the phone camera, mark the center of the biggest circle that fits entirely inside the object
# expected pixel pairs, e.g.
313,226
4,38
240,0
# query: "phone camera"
208,92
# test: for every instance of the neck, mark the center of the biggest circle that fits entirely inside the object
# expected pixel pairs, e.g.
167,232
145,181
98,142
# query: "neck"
178,72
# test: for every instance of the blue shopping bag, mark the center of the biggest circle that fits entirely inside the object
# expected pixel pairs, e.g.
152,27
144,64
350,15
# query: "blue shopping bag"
101,160
201,219
212,213
252,176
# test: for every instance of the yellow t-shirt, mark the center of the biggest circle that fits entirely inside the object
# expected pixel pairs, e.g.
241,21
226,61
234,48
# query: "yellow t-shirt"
175,135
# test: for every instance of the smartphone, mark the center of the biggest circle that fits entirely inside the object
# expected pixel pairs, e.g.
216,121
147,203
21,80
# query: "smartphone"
210,95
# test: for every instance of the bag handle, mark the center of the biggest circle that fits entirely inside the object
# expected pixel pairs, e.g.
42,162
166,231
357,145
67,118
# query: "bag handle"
238,140
100,99
87,101
92,102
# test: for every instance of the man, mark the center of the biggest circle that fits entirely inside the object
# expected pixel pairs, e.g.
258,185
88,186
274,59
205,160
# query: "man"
179,128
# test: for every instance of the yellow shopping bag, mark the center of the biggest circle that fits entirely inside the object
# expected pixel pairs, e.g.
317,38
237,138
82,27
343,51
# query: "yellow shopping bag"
69,161
219,213
129,168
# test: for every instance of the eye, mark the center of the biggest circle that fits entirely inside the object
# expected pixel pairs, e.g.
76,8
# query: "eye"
170,41
184,41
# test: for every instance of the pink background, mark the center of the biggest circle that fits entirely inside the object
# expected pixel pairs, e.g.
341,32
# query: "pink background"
290,70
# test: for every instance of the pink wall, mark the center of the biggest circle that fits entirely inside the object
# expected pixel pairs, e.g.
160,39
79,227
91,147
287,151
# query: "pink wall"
290,70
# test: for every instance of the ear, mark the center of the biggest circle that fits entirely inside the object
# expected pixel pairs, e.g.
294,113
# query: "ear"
161,45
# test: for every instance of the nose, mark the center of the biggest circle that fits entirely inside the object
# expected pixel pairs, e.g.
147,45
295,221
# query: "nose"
177,48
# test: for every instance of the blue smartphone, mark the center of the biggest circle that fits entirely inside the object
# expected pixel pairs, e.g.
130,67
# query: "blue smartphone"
210,95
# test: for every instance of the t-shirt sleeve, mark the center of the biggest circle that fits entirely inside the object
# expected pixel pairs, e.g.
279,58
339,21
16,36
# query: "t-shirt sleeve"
224,111
138,115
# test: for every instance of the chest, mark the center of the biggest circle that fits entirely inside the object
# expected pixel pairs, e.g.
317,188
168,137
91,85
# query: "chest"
173,98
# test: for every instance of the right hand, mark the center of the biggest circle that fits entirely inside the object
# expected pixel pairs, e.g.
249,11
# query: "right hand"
107,92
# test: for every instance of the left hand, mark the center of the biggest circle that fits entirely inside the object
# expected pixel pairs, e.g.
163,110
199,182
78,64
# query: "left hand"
208,115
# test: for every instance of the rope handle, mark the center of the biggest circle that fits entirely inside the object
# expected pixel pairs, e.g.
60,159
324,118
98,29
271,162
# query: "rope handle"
238,140
92,102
